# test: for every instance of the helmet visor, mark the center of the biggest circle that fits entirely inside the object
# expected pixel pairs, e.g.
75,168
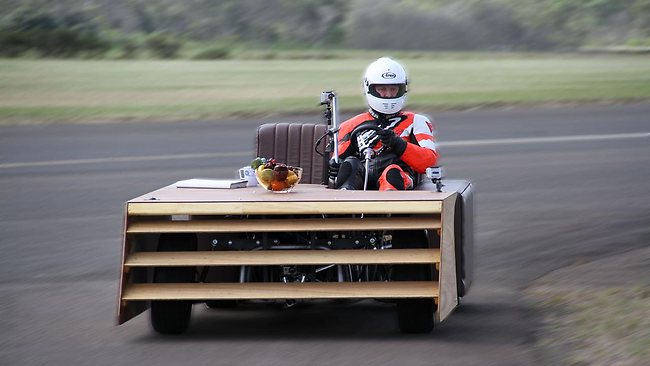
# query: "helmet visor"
387,91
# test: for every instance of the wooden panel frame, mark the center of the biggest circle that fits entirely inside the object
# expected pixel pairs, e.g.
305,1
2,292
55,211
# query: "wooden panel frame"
279,290
448,296
284,225
141,212
281,257
280,208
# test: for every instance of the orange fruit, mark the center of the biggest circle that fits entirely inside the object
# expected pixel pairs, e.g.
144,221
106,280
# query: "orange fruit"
278,185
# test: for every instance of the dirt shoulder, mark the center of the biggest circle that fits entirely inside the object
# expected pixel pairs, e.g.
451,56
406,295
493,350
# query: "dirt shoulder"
597,313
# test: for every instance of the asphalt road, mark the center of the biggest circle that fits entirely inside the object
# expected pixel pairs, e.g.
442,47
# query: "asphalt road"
555,187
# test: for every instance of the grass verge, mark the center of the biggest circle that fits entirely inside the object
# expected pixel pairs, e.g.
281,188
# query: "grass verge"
43,91
591,326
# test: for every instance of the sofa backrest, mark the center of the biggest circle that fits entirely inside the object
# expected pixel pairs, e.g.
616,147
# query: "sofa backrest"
293,144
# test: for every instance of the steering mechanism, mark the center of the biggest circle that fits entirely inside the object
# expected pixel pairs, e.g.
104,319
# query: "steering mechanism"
362,136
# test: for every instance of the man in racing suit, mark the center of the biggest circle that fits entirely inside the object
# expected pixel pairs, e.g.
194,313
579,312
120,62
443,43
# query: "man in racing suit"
402,143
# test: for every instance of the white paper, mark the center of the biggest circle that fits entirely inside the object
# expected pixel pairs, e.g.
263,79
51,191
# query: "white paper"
211,183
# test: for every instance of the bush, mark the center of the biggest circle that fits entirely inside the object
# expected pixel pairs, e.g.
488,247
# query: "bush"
67,43
129,49
35,30
214,53
381,25
13,44
163,45
56,43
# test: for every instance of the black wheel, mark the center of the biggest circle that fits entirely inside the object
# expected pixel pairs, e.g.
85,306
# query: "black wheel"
413,315
173,316
365,126
369,125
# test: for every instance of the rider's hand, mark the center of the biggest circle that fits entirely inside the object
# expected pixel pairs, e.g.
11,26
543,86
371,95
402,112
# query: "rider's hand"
333,172
392,141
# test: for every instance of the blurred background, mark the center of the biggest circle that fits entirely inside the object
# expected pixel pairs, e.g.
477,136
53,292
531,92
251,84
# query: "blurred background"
199,59
203,29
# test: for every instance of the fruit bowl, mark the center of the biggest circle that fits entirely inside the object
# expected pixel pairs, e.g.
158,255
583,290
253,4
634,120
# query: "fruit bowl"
277,177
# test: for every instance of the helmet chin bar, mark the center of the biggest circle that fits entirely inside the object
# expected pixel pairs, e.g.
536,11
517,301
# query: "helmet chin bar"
381,116
386,106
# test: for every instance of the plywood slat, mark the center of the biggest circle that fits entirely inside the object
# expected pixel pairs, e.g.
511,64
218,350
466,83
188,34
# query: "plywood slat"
284,225
311,290
282,257
279,208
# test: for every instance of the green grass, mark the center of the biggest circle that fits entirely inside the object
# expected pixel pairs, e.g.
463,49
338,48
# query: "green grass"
42,91
588,326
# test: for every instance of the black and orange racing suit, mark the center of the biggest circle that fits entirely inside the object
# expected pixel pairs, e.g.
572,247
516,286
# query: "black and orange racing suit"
387,170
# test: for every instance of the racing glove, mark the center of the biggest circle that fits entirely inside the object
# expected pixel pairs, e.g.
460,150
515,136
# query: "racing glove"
392,141
333,172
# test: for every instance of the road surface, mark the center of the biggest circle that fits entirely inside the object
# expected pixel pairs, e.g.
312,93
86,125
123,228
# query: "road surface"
555,187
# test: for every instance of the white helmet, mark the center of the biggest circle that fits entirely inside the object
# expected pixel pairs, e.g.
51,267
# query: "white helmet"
385,71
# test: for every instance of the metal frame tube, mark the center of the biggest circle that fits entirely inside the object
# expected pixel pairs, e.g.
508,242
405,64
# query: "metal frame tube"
335,124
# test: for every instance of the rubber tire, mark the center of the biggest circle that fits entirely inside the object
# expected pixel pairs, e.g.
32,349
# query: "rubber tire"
173,316
413,315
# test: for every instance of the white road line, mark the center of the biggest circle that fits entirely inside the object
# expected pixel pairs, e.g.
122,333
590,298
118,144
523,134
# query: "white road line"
236,154
239,154
533,140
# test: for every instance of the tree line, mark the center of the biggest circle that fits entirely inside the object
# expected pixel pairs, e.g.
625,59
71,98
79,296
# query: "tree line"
163,28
